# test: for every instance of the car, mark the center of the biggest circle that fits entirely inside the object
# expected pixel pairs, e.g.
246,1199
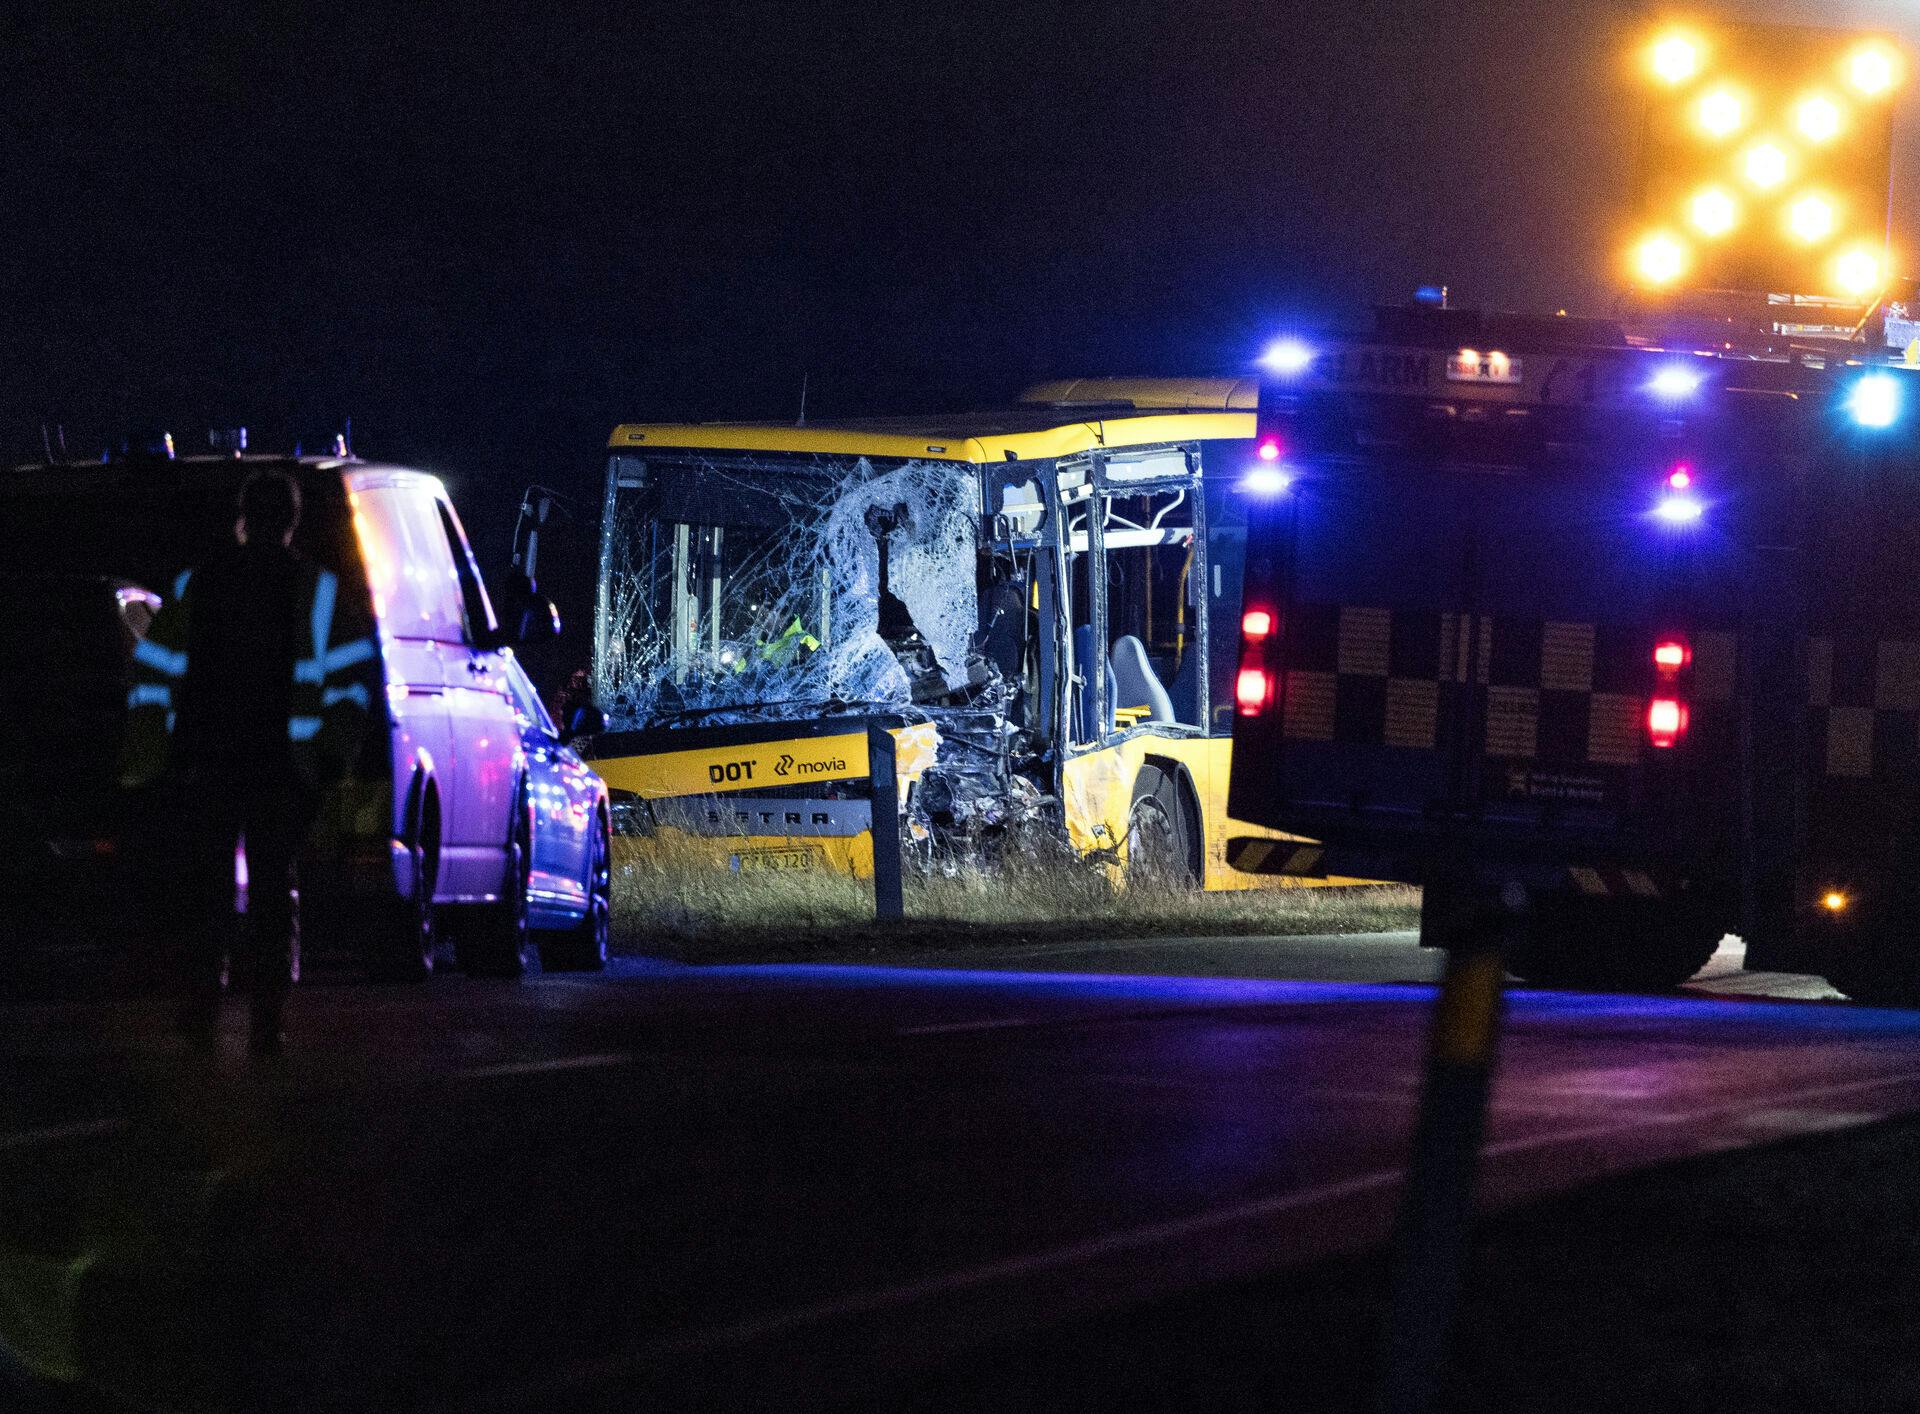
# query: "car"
448,817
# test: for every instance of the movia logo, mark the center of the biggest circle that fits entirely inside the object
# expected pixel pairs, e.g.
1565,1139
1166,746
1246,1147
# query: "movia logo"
784,766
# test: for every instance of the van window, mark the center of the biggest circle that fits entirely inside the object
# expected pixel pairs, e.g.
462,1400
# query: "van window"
473,598
416,589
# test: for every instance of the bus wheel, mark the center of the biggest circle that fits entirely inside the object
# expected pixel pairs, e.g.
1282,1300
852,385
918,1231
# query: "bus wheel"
1159,853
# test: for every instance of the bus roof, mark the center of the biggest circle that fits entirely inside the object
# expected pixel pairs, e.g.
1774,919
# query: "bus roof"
1025,432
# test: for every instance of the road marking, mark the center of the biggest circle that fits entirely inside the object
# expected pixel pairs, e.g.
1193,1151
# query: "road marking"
27,1138
947,1028
542,1067
735,1334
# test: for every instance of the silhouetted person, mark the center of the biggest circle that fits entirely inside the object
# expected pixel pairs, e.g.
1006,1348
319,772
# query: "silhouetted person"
247,702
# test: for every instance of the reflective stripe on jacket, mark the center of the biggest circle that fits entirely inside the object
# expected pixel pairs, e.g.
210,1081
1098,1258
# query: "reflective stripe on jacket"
333,684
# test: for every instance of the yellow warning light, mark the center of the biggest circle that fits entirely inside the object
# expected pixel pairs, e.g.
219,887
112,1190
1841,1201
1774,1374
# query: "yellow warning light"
1674,58
1818,117
1834,901
1720,113
1765,165
1713,212
1811,219
1660,259
1873,69
1857,271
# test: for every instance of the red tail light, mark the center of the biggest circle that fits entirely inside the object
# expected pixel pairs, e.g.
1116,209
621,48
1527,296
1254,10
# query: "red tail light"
1253,691
1667,711
1666,720
1253,687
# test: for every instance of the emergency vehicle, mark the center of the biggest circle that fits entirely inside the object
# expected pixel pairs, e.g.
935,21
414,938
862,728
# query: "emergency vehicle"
1027,598
1613,625
1631,633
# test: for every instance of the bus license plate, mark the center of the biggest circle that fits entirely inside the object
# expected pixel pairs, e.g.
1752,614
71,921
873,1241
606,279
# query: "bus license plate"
773,861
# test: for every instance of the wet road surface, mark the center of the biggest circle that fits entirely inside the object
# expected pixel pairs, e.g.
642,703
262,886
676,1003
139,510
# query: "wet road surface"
741,1183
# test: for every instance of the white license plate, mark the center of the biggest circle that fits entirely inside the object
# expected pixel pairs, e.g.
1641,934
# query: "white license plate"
773,861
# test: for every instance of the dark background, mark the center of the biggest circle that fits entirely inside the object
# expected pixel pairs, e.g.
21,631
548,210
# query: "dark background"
487,233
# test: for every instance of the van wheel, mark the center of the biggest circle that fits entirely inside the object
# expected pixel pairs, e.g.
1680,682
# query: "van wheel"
494,942
583,947
402,934
1159,853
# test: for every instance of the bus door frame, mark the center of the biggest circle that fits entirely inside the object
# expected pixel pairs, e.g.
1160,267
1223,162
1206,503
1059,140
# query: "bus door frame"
1104,488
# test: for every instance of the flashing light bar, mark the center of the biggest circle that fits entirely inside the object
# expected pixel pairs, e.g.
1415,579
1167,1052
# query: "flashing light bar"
1767,162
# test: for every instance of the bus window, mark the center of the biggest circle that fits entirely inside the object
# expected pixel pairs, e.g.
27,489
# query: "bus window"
1151,618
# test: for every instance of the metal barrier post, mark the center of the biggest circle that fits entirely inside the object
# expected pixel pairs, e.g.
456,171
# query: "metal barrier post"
1431,1240
888,903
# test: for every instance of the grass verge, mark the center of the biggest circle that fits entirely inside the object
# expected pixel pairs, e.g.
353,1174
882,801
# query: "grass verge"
689,910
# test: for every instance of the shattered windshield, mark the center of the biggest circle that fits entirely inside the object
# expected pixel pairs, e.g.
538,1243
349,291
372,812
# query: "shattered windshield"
732,587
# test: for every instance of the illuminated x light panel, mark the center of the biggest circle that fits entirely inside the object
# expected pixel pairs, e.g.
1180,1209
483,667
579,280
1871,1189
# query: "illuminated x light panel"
1765,165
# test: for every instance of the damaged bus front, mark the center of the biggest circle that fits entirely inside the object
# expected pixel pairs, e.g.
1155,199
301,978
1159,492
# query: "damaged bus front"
1022,597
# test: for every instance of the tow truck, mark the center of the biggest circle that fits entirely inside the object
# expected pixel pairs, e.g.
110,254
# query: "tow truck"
1609,628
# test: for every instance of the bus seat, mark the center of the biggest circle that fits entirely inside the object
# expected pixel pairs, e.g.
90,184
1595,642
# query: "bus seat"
1083,705
1139,685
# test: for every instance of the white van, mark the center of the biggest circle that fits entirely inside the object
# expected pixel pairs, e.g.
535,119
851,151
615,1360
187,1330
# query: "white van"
435,831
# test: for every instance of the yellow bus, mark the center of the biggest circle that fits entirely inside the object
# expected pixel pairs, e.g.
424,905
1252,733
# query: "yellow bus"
1040,602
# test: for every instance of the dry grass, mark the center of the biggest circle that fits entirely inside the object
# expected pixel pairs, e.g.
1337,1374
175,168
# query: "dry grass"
688,909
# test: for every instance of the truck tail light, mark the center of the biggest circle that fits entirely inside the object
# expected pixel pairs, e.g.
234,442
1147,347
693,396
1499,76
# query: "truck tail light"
1253,691
1666,721
1253,685
1667,710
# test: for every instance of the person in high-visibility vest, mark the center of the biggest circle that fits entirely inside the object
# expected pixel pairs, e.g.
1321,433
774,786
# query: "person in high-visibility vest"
793,644
251,690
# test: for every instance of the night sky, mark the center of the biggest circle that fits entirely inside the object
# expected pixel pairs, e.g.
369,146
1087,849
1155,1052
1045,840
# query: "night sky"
488,233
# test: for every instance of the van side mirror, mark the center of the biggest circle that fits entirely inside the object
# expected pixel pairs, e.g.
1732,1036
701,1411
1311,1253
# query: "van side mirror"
587,720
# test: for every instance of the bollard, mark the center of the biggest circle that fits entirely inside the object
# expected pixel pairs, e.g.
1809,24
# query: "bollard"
1435,1226
884,791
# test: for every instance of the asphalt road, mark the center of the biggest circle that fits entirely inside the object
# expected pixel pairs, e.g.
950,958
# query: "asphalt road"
787,1184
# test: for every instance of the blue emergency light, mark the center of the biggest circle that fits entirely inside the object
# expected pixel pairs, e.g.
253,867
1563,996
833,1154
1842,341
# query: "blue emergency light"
1676,380
1288,356
1266,481
1874,400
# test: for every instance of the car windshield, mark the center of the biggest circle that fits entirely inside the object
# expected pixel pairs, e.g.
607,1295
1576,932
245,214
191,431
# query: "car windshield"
734,588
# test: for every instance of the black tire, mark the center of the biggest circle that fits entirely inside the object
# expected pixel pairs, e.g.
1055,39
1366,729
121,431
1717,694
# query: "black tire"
401,934
494,940
1160,852
1874,962
583,947
1614,945
1451,912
